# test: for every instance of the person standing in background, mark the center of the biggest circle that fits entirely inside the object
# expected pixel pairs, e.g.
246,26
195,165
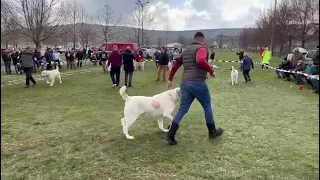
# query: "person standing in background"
103,58
15,60
57,59
212,56
163,64
49,58
128,66
115,60
266,57
240,54
27,62
6,58
79,56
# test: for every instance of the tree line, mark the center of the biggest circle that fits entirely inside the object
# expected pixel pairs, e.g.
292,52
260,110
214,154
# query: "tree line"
57,22
295,23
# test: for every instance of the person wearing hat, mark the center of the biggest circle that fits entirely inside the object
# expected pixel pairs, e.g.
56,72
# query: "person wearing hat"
27,62
128,66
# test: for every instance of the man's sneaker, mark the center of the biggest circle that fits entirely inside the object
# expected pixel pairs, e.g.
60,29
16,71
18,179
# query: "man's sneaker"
114,85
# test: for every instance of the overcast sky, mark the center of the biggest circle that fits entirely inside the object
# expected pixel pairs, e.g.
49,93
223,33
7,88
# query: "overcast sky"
190,14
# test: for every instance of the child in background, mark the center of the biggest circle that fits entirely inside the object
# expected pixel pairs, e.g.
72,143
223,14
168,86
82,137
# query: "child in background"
212,58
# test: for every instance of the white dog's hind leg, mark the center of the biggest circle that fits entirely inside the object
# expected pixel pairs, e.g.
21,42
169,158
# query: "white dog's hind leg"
52,82
59,76
160,124
123,122
129,120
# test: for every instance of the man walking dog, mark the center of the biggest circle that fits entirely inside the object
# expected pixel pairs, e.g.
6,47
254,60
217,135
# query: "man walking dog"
193,86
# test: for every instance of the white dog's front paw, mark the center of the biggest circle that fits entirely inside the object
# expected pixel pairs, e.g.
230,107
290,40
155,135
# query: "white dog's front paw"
130,137
60,82
165,130
51,85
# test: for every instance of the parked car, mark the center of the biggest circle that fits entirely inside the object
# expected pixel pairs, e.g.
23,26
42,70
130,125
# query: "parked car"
310,55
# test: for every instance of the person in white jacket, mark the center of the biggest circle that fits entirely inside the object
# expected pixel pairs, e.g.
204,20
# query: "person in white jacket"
57,59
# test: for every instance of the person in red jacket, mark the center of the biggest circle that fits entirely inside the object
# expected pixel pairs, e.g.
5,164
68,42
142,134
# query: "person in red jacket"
115,59
138,57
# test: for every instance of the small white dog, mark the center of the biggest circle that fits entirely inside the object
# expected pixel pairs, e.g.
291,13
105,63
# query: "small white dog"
139,64
51,75
234,76
160,106
170,65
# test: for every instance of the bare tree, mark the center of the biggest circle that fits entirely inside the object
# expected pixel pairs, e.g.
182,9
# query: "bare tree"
107,23
134,32
38,20
86,34
167,28
182,40
305,14
159,41
221,39
76,16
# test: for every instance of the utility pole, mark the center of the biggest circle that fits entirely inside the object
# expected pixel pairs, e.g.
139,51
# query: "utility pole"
273,26
141,6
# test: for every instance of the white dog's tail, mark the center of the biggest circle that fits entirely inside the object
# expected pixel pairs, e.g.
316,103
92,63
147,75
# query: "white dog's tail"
123,93
232,68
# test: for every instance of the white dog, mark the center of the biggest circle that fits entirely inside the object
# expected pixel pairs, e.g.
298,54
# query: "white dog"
170,65
160,106
51,75
234,76
139,64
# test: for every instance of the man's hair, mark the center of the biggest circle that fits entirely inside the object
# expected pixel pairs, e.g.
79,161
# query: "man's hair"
198,35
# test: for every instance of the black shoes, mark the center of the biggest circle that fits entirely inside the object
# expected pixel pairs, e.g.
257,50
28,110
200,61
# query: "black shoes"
213,132
172,132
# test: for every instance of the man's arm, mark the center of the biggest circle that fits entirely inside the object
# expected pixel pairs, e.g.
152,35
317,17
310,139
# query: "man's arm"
201,60
175,67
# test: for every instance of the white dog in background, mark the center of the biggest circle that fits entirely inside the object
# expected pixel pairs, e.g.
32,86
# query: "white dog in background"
160,106
51,75
170,65
234,76
139,64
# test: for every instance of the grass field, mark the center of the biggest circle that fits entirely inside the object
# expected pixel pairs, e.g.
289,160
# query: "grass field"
73,131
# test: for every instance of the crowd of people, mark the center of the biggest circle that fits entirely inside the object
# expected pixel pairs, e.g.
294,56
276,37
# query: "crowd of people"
297,64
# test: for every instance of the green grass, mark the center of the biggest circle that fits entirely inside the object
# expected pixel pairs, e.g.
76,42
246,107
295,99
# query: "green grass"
73,131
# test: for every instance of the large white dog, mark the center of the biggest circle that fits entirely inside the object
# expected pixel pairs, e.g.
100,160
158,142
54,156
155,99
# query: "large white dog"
234,76
51,75
160,106
139,64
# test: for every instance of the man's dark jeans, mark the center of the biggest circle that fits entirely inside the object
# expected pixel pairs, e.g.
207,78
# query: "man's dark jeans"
191,90
8,67
115,74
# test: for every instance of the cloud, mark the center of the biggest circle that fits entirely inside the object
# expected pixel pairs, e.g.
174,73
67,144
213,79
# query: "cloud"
190,14
207,14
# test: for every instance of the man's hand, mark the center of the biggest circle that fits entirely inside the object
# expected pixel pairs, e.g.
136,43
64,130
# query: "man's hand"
213,74
169,84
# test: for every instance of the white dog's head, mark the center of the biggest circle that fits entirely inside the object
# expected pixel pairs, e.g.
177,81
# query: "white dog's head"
175,94
44,73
